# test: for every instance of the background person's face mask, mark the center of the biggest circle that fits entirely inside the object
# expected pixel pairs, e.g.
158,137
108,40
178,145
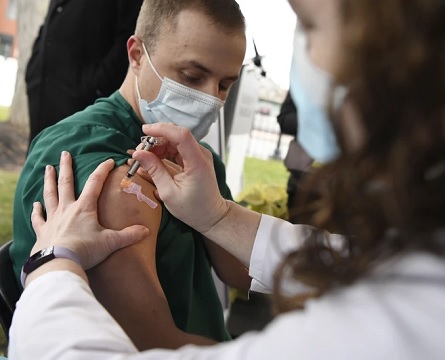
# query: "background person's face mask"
180,105
309,88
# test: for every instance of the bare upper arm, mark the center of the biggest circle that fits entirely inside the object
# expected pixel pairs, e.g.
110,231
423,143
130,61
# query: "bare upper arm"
117,209
126,283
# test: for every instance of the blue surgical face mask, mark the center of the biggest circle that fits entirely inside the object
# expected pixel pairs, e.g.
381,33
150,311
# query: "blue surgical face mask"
180,105
309,88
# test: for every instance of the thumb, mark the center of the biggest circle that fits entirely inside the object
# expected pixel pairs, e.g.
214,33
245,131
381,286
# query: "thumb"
126,237
156,169
37,219
111,241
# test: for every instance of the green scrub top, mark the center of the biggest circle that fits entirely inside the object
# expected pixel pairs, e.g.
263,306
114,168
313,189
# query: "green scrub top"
106,130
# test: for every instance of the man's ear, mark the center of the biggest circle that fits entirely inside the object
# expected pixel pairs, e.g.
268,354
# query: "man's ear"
135,53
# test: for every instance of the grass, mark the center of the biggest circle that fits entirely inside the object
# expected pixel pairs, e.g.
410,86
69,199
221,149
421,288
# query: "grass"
8,181
256,171
4,113
270,172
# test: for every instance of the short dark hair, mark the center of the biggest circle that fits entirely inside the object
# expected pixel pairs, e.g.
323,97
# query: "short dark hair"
156,14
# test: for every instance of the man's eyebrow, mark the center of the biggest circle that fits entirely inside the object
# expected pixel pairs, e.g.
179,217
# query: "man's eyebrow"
201,67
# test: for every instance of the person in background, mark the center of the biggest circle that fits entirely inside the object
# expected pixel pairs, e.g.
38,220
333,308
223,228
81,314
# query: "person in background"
375,292
297,161
184,57
78,56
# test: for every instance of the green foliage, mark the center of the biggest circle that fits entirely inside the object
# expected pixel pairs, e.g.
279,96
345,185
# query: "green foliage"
4,113
265,199
3,343
264,188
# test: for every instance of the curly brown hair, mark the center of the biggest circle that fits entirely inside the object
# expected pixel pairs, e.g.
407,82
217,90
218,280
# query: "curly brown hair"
388,196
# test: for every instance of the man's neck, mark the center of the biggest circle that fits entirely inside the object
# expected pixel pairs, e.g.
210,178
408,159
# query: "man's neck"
128,92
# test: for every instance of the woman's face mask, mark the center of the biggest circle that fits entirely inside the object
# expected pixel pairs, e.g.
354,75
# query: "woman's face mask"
309,88
180,105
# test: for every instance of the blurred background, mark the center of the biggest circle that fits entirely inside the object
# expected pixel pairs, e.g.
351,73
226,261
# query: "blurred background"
247,125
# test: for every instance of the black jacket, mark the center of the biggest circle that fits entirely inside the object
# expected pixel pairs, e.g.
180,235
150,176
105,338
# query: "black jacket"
79,55
287,118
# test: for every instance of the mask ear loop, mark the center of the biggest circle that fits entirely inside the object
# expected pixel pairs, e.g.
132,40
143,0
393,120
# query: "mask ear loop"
137,88
153,68
151,64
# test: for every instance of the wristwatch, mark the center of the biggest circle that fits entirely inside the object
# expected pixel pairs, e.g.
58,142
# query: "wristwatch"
43,256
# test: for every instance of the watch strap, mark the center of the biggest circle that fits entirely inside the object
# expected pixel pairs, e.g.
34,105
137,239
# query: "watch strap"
43,256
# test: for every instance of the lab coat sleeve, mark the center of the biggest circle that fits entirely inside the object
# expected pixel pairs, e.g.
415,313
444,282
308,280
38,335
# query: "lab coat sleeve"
54,313
275,239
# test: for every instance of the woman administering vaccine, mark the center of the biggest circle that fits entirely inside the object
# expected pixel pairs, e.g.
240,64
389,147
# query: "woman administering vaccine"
376,292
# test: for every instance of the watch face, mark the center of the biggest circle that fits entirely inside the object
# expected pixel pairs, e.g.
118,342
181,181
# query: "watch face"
45,252
39,258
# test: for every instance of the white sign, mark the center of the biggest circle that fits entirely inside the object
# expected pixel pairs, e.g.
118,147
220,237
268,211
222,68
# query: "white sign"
8,74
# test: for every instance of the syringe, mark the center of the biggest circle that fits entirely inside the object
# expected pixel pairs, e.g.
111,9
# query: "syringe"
149,142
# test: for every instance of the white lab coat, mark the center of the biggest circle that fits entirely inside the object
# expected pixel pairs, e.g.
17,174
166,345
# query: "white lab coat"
396,313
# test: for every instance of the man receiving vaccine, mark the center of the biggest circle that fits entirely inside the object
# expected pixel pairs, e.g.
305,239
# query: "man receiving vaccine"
183,59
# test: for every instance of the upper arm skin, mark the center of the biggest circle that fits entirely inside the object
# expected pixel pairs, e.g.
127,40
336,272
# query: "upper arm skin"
126,283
